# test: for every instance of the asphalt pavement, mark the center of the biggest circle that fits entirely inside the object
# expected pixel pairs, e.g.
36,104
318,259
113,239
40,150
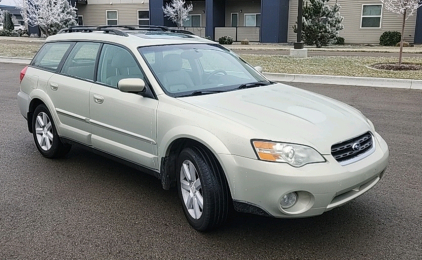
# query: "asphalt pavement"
88,207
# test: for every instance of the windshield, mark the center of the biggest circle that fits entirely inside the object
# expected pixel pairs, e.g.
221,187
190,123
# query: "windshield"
193,69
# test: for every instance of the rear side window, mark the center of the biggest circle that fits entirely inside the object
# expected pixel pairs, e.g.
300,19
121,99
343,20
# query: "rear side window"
81,60
51,54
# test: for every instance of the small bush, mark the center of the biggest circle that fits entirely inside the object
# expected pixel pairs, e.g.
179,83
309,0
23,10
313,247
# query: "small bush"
6,33
390,38
340,41
225,40
245,42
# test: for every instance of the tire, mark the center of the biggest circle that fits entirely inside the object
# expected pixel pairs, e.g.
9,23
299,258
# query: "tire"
45,135
202,189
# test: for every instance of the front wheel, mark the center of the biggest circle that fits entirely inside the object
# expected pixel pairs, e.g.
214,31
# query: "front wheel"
202,189
45,135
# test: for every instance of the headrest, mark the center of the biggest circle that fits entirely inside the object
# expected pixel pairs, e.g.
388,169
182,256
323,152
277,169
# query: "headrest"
122,59
172,62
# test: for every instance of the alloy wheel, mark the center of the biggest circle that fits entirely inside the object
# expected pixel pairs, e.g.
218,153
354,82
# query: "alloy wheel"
44,131
190,185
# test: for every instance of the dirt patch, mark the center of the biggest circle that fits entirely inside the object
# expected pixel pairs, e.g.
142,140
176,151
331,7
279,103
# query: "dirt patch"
396,66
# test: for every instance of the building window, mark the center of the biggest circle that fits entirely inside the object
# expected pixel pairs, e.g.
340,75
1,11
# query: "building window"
194,21
235,19
80,20
253,20
112,17
371,16
143,17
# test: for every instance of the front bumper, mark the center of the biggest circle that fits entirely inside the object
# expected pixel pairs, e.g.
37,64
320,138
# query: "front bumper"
320,187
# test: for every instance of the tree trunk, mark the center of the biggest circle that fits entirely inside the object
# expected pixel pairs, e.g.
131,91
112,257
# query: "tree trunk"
402,37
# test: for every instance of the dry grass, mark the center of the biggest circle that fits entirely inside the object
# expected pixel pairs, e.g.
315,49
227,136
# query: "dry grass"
338,65
19,49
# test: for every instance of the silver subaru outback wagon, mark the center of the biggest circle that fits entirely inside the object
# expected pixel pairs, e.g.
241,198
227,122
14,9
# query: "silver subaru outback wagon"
198,117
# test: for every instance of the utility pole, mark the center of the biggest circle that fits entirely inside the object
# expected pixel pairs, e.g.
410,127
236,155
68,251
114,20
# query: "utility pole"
299,44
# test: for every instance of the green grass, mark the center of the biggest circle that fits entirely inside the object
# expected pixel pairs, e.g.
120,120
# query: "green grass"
336,65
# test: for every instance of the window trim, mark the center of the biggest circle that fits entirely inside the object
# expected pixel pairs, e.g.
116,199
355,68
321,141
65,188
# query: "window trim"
117,17
200,20
144,19
244,19
362,16
231,19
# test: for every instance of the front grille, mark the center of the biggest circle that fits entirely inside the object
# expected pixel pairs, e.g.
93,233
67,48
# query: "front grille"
349,151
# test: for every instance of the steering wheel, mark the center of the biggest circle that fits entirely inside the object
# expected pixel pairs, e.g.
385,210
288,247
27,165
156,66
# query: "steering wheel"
214,73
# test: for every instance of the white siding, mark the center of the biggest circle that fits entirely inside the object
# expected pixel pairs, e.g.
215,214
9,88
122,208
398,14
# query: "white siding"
352,33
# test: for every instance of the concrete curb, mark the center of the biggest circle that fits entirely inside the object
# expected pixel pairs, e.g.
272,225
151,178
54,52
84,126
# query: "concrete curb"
15,60
348,81
302,78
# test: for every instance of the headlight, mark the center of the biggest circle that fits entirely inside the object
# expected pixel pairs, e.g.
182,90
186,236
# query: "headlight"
294,154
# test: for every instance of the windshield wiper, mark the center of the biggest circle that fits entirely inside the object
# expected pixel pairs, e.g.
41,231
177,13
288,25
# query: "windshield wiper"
254,84
203,92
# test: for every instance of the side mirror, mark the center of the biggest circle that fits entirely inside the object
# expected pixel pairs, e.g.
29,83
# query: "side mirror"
258,68
131,85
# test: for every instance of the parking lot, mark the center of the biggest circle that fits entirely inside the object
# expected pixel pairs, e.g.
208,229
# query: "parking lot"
85,206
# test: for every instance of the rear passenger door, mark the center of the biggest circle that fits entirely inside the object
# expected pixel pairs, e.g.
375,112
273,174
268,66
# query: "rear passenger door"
123,124
69,91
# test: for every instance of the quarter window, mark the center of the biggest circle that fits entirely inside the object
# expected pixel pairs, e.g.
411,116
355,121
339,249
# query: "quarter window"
117,63
253,20
112,17
81,61
143,17
50,55
371,16
194,21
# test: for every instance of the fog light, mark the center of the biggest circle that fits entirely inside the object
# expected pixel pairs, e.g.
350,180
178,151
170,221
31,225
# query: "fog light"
288,200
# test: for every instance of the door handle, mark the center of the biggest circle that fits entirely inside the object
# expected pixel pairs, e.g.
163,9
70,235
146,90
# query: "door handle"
98,99
54,86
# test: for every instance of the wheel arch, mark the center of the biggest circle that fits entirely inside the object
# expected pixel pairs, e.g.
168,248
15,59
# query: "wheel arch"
38,97
198,141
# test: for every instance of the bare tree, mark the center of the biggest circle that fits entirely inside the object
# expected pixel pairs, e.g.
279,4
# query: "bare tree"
49,15
405,8
177,12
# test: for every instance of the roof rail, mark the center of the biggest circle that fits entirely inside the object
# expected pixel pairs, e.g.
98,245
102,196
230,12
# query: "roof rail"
88,29
117,29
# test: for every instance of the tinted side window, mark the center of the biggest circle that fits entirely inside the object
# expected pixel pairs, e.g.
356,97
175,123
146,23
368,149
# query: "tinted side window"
117,63
51,54
81,60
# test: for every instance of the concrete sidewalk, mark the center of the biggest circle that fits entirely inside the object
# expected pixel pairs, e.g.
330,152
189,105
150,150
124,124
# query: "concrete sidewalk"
315,79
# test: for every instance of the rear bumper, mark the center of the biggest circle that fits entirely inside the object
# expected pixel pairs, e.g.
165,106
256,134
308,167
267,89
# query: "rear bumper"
320,187
23,103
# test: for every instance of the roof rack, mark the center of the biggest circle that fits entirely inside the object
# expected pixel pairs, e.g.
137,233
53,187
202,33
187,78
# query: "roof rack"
116,29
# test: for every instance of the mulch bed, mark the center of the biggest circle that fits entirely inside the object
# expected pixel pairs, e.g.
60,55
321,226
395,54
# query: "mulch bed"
396,66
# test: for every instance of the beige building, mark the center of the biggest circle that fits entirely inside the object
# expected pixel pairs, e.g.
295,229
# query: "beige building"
255,20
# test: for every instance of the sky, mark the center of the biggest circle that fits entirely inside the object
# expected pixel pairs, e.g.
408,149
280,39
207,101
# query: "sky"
7,2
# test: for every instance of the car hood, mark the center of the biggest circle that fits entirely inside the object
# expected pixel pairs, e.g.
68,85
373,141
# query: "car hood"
287,114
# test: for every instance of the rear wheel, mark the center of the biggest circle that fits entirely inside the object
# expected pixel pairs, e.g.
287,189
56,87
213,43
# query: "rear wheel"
45,134
202,189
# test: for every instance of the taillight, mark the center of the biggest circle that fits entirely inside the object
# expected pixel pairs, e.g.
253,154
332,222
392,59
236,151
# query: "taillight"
23,73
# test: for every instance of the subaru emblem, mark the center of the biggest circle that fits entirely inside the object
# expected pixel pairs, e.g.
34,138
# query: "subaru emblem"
356,147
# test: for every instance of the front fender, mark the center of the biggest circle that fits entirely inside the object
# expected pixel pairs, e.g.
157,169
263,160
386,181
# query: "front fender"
214,144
